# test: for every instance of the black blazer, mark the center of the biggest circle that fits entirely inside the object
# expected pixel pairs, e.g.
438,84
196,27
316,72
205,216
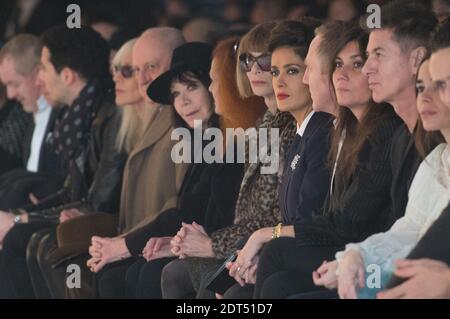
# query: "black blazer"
405,161
15,185
98,188
49,161
208,197
306,178
362,207
13,123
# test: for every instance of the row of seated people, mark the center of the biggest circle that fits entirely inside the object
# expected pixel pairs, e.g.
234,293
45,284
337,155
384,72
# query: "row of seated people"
360,120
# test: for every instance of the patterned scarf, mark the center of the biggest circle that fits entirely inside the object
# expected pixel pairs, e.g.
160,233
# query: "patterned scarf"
71,133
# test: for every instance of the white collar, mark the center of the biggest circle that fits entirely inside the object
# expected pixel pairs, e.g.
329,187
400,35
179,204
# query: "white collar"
42,104
301,129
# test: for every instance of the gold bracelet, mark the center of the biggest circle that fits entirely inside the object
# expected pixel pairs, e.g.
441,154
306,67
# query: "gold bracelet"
276,231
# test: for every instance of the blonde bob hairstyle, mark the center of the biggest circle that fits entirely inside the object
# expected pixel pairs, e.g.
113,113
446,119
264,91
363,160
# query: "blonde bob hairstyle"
256,40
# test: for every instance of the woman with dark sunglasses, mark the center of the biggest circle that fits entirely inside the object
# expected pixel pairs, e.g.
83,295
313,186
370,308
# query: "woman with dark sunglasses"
247,60
134,113
253,66
306,176
209,190
130,130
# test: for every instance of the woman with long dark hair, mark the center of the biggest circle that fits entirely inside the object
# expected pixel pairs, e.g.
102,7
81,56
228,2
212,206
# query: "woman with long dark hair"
358,203
428,196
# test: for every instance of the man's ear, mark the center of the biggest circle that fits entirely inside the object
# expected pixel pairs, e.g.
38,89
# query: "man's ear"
416,58
68,76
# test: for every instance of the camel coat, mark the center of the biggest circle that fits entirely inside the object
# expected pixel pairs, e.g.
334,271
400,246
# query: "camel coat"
151,180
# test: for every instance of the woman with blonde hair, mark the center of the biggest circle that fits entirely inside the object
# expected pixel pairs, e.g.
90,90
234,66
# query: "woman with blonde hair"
135,115
133,121
209,189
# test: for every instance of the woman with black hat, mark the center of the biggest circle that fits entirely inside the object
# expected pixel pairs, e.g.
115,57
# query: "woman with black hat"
209,190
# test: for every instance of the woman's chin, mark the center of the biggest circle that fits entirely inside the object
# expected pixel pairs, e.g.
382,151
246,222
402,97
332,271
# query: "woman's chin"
122,102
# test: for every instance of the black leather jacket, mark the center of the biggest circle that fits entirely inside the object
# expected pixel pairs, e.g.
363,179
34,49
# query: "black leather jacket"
98,187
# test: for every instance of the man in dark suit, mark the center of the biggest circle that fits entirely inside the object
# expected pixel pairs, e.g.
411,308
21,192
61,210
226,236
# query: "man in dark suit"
422,277
19,62
84,138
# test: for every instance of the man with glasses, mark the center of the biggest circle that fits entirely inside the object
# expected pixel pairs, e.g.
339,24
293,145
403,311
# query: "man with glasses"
151,179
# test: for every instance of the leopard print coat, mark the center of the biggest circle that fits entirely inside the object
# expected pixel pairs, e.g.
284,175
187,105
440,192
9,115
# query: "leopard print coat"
257,205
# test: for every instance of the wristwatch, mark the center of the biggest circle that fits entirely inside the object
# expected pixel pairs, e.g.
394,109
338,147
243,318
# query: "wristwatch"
17,219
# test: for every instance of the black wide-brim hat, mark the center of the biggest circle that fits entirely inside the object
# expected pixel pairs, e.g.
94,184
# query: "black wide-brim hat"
192,56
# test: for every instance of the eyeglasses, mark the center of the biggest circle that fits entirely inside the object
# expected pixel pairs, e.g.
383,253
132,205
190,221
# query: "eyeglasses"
127,71
247,60
235,47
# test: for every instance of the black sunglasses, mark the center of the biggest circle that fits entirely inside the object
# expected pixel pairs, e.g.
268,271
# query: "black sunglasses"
127,71
247,60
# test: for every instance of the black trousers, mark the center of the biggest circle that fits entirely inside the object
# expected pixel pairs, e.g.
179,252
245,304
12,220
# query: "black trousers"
435,244
131,278
143,279
110,281
13,258
285,269
6,289
238,292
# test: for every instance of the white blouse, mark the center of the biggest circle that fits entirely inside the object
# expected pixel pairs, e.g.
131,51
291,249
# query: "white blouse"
428,195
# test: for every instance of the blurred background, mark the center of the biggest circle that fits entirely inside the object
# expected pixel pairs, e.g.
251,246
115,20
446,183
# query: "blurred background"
200,20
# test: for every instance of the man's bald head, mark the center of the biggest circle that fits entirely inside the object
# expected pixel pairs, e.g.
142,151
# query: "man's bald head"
152,54
170,37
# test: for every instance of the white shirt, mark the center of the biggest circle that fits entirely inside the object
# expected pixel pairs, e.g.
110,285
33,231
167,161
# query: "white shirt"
301,129
41,118
428,195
